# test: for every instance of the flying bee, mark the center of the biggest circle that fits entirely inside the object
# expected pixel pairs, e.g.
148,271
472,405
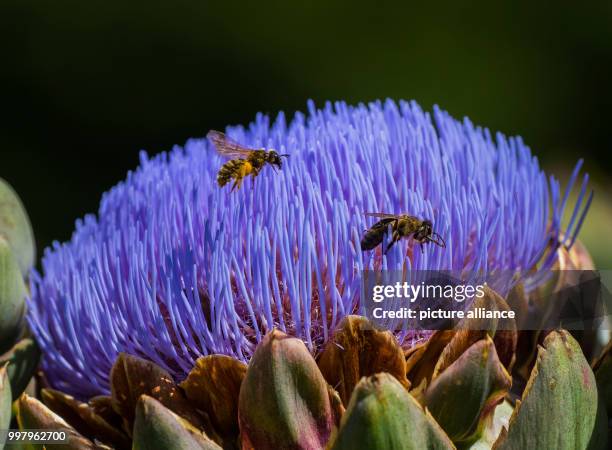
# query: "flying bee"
401,226
245,162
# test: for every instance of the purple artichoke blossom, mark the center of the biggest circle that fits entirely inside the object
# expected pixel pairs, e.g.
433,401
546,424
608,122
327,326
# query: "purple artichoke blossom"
174,267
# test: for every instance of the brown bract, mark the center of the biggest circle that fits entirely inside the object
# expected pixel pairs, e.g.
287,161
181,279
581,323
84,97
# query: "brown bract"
132,377
358,350
84,418
213,386
469,331
421,360
34,415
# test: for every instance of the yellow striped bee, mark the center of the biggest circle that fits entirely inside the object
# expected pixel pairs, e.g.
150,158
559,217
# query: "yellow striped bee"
401,226
245,162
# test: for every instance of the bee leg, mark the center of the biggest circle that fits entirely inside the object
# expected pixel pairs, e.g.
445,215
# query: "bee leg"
396,237
422,249
388,247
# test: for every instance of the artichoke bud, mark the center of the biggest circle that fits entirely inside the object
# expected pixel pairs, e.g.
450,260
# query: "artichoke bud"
284,399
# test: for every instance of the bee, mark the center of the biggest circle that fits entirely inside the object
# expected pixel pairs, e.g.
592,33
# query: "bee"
401,226
245,162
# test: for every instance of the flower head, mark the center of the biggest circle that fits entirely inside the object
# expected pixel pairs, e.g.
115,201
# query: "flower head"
174,267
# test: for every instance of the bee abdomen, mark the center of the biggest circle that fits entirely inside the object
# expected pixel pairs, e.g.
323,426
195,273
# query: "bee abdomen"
371,239
374,236
228,171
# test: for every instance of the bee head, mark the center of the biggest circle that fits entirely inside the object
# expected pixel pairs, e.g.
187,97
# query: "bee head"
425,233
426,229
275,159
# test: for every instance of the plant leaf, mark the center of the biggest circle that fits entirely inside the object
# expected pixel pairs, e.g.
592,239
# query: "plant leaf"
158,428
284,400
463,396
559,407
15,227
23,359
383,415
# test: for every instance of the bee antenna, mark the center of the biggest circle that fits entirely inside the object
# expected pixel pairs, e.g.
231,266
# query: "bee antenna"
286,155
438,240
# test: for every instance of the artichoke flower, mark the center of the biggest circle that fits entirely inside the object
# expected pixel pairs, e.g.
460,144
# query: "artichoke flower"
174,268
188,316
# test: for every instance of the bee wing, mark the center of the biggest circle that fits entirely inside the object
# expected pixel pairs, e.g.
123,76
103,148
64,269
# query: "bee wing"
226,146
382,215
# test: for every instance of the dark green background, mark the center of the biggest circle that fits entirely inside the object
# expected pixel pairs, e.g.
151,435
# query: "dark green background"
87,84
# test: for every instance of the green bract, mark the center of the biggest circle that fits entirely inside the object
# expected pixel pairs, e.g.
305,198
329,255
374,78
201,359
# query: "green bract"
474,384
560,408
5,399
284,400
15,228
12,297
383,415
157,427
22,358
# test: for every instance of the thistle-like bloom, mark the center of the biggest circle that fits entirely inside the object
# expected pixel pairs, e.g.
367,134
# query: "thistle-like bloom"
174,267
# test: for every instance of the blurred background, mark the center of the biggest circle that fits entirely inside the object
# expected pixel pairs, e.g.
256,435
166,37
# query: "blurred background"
86,85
